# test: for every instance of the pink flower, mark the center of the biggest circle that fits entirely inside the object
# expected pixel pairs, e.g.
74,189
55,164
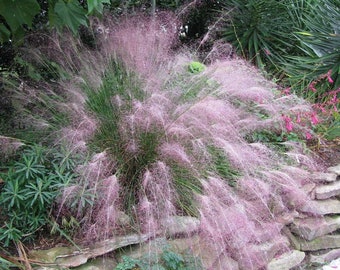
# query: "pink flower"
288,123
286,91
314,118
308,135
312,86
329,78
298,118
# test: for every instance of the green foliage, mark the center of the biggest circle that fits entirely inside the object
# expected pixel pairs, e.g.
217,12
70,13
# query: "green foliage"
120,83
320,53
172,261
96,6
223,167
20,15
70,14
128,264
331,129
261,30
7,265
31,186
168,260
196,67
16,13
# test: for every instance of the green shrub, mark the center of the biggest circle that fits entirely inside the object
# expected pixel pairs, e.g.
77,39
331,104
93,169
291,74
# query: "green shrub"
31,185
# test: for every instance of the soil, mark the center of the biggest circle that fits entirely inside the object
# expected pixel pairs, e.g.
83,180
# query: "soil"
328,152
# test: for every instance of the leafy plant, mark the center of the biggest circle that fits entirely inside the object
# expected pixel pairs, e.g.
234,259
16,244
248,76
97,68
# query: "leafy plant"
261,30
128,264
320,54
19,15
196,67
31,186
168,260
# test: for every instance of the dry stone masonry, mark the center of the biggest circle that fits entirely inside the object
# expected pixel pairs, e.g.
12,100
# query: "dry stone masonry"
315,234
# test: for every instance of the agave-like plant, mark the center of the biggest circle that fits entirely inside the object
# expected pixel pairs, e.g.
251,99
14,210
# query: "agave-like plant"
319,44
262,31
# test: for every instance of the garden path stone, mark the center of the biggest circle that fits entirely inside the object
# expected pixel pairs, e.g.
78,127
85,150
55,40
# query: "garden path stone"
327,191
311,228
287,260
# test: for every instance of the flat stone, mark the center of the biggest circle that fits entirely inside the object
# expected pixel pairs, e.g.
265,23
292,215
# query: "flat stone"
287,260
66,257
310,190
335,169
325,257
320,177
98,264
327,191
204,253
324,207
323,242
287,218
335,264
262,253
311,228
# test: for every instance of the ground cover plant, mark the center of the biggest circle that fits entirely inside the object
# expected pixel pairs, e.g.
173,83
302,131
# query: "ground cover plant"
164,141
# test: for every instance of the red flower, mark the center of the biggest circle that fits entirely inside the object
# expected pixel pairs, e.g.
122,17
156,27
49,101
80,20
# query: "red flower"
308,135
288,123
314,118
329,78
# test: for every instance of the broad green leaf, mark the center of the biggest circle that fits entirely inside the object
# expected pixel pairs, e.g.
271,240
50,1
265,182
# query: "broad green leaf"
4,33
71,14
19,12
96,5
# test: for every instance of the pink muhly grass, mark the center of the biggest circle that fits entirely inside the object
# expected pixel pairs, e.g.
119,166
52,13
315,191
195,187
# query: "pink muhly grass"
9,145
144,49
237,220
157,195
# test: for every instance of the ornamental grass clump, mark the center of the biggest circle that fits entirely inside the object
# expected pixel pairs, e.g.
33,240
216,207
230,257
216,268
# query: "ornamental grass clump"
164,142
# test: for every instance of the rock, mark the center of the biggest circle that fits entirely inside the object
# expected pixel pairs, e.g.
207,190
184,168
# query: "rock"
335,264
152,249
323,242
204,252
180,225
212,257
311,228
98,264
294,241
324,207
326,257
287,218
261,254
310,190
327,191
320,177
335,169
65,257
287,260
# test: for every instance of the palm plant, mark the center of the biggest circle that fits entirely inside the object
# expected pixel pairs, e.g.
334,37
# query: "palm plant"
320,47
261,31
